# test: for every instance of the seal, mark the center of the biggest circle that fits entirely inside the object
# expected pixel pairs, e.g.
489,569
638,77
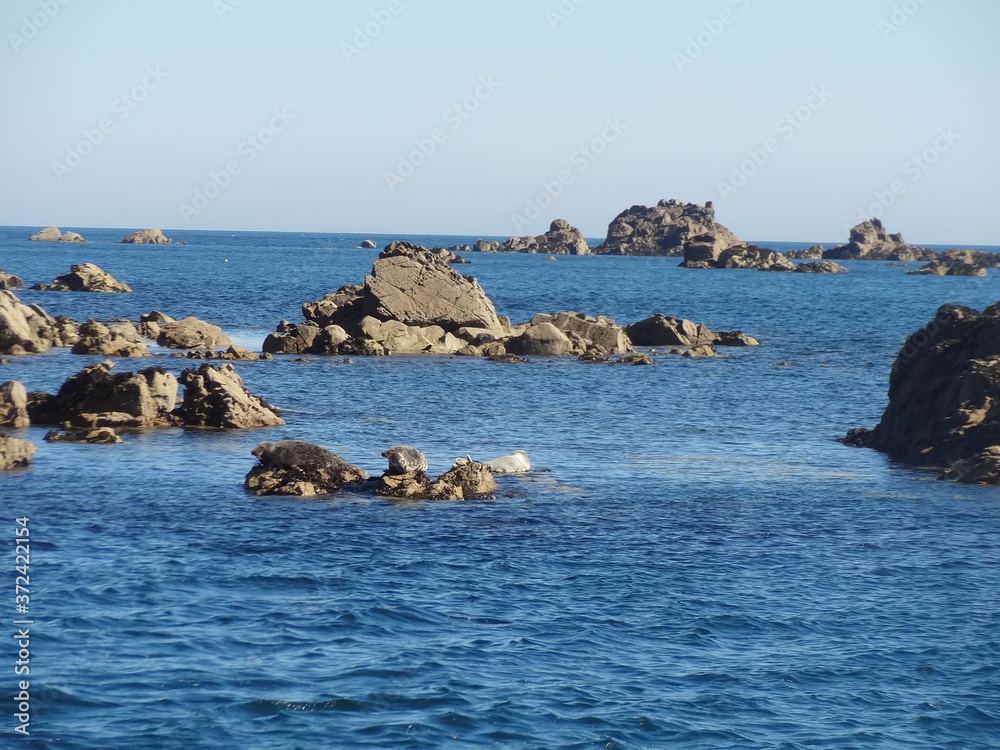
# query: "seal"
288,454
516,463
405,460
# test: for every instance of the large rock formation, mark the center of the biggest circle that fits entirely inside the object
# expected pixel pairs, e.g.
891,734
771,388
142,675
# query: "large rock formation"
28,329
959,263
148,237
665,229
85,277
215,396
52,234
666,330
191,333
870,241
10,281
561,239
944,395
14,453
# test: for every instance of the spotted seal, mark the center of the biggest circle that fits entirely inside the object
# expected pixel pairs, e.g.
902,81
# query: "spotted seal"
287,454
405,460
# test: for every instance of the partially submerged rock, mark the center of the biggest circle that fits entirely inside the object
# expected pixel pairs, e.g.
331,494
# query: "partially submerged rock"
109,340
14,453
561,239
944,395
85,277
96,436
957,263
14,405
813,253
147,237
233,354
10,281
870,241
191,333
668,228
52,234
215,396
667,330
704,254
28,329
823,266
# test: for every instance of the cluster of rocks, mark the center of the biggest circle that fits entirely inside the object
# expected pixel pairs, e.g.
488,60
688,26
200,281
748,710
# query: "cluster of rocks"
10,281
706,253
300,469
667,228
85,277
944,392
813,253
561,239
28,329
870,241
959,263
95,397
52,234
413,302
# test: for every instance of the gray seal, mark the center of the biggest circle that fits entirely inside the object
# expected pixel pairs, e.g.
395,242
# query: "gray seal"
405,460
516,463
289,454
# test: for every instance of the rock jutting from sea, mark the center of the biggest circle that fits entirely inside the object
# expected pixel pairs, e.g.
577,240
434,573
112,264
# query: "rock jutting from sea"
52,234
413,302
870,241
561,239
943,391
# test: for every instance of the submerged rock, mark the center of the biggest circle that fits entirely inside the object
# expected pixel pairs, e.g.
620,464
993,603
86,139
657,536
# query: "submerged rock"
743,256
97,436
823,266
813,253
14,405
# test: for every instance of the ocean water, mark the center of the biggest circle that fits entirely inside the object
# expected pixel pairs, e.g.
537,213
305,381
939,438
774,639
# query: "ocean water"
698,565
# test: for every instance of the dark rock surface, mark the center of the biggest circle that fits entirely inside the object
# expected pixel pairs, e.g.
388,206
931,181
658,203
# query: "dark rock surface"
666,330
96,436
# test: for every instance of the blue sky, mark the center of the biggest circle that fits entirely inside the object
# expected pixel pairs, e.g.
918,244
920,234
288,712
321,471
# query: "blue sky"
798,119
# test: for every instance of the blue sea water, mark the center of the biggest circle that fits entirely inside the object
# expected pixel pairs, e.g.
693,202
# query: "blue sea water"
702,565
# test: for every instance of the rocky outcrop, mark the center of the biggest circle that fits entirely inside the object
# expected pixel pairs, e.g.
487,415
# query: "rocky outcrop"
10,281
666,330
191,333
666,229
541,340
52,234
96,397
958,263
14,453
944,395
28,329
215,396
813,253
466,482
368,245
703,253
233,354
96,436
870,241
823,266
85,277
412,286
300,469
569,334
109,340
561,239
147,237
13,405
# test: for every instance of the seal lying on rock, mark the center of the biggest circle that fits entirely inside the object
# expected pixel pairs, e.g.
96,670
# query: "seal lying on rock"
516,463
405,460
288,454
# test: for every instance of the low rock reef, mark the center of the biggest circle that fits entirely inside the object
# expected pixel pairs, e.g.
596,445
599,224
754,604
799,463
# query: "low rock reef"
561,239
52,234
869,241
214,397
944,398
148,237
413,302
296,468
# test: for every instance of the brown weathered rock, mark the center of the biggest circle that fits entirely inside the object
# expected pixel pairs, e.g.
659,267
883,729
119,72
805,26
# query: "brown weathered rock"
14,453
813,253
599,331
870,241
635,358
300,469
736,257
10,281
397,338
147,237
85,277
26,329
823,266
115,340
697,352
982,468
958,263
944,392
666,330
96,436
94,397
192,333
49,234
14,405
561,239
666,229
215,396
233,354
474,479
413,286
368,245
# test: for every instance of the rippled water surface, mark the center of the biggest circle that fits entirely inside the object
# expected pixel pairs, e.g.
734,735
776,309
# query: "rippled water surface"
700,565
